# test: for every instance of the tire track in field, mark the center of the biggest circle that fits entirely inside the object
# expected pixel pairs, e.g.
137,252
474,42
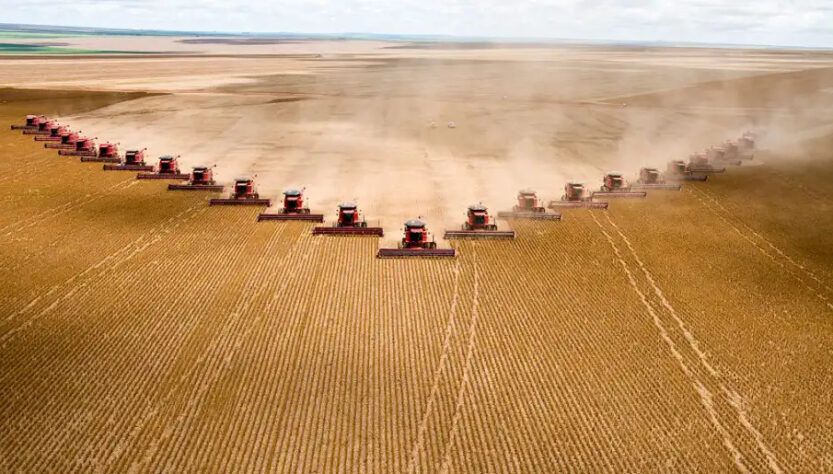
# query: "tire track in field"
435,384
63,208
106,264
464,381
706,397
724,215
25,170
735,399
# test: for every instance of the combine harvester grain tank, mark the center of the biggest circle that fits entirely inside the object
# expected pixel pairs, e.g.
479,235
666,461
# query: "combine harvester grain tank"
479,224
650,178
576,196
134,160
32,122
293,209
200,179
107,153
416,242
349,222
166,168
529,207
83,147
615,186
243,194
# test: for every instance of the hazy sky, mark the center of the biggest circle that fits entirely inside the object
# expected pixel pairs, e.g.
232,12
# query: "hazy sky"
784,22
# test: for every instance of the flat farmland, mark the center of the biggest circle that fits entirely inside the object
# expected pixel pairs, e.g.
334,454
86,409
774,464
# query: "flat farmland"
142,330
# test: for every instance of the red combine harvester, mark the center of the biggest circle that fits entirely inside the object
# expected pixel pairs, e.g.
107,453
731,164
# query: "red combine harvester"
650,178
349,222
83,147
699,163
479,224
43,128
678,171
32,122
528,207
576,196
167,168
107,153
720,154
614,185
134,160
746,145
293,209
54,135
200,179
243,194
67,141
416,243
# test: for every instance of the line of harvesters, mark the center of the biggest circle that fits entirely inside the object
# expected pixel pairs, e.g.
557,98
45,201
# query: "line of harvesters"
416,240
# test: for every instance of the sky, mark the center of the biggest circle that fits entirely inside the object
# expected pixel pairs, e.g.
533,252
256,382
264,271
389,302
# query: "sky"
764,22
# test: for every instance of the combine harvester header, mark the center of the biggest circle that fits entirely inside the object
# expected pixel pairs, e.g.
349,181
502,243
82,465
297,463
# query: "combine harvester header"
615,186
243,194
650,178
107,153
134,160
32,122
200,179
529,207
166,168
479,224
415,243
576,196
349,222
293,209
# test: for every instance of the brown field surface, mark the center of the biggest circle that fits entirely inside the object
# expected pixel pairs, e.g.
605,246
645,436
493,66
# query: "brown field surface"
143,331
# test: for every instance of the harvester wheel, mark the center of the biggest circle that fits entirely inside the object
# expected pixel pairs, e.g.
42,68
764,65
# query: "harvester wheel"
432,245
363,224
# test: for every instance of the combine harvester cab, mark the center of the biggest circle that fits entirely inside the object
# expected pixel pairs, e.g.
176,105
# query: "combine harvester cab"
349,222
54,135
166,168
615,186
677,170
576,196
243,194
699,163
293,209
83,147
529,207
650,178
200,179
479,224
32,122
107,153
67,141
415,243
43,129
134,160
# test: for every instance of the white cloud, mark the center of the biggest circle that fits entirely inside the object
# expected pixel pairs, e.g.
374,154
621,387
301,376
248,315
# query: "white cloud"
796,22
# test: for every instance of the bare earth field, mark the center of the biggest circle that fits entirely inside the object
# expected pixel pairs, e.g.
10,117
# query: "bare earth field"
143,331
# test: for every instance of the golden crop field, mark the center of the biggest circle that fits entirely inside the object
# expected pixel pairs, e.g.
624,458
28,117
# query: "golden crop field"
143,331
